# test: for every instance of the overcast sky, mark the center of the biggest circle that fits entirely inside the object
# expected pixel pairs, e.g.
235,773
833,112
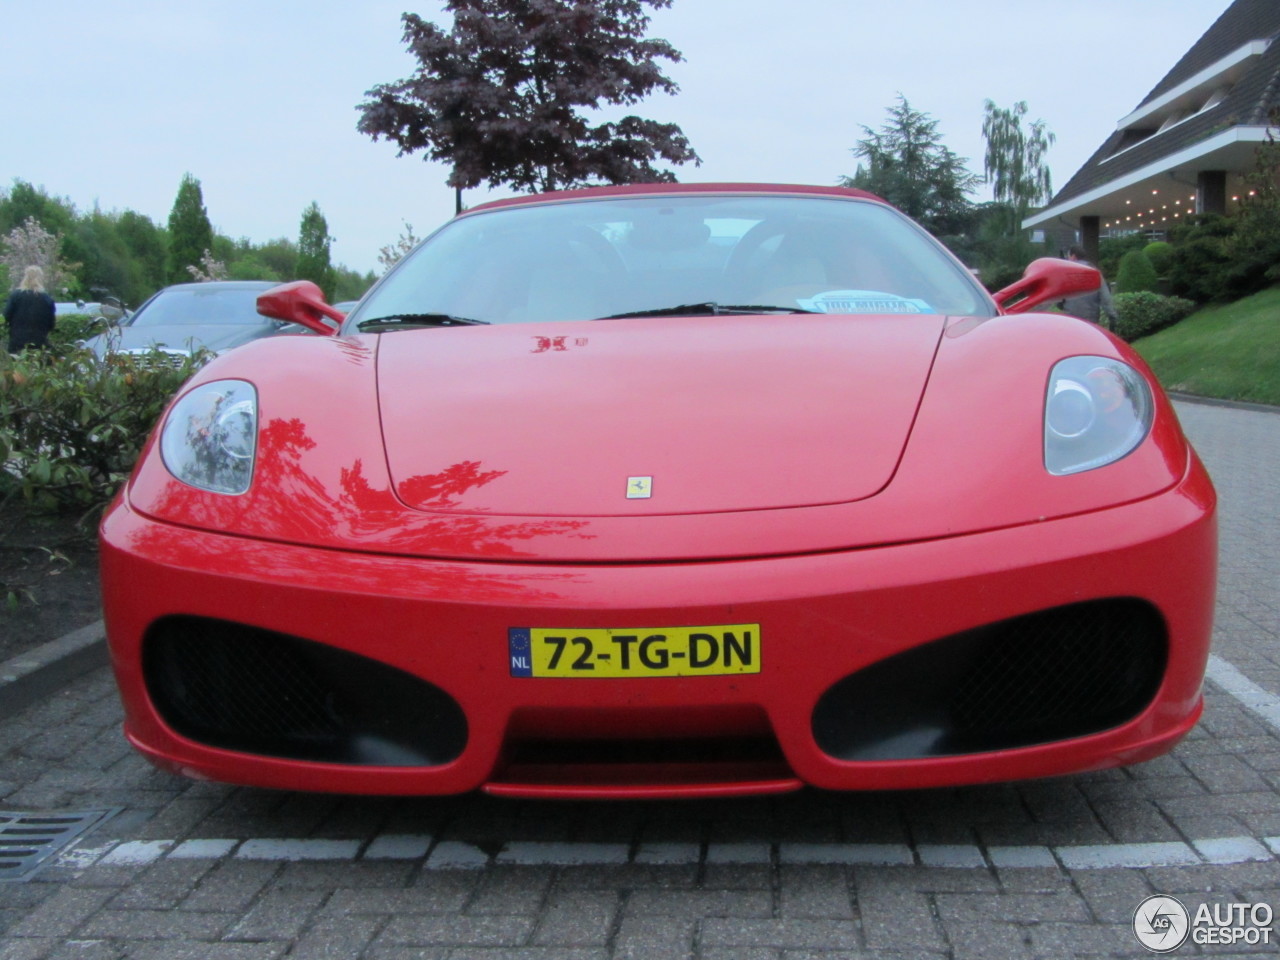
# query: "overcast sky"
112,103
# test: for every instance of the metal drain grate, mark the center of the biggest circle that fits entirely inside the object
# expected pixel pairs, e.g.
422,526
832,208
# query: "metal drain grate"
29,839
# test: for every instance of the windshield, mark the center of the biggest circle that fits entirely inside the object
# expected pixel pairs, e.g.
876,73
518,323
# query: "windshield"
612,256
193,306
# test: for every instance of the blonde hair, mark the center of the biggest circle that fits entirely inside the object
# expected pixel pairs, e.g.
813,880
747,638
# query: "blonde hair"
33,279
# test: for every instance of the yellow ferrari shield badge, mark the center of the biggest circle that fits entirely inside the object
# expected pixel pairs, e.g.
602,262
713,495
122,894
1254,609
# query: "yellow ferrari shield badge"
639,488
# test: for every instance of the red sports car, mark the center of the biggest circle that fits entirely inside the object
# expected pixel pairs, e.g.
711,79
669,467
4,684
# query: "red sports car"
662,491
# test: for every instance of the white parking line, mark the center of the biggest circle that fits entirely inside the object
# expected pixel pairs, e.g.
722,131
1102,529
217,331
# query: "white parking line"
1253,697
456,855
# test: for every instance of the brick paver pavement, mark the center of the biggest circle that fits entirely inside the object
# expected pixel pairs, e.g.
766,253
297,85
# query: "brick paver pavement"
1045,869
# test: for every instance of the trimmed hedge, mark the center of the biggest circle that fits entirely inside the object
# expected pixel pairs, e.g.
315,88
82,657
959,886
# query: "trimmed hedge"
1160,253
1143,313
1136,273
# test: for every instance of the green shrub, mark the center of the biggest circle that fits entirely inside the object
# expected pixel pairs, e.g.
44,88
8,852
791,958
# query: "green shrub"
1143,312
1201,257
1136,273
71,426
998,277
1160,253
1111,249
72,329
1225,258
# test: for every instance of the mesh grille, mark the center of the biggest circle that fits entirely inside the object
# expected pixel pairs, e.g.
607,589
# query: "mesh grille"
1052,675
1048,668
256,691
264,687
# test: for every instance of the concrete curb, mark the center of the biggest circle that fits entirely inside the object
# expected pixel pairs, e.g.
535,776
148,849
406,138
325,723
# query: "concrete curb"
30,676
1215,402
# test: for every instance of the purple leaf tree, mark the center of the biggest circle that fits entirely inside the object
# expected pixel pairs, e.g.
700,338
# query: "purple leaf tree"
512,93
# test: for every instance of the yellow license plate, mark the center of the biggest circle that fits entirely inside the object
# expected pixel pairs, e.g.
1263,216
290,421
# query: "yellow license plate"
640,652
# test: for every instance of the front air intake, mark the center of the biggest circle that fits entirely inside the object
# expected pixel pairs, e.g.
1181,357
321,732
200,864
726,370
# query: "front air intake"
1052,675
241,688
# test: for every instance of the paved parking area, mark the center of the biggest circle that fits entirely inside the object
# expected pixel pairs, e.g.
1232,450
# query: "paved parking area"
1045,869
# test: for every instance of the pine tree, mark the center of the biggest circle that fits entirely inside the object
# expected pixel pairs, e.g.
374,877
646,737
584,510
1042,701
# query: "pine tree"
313,250
908,165
190,233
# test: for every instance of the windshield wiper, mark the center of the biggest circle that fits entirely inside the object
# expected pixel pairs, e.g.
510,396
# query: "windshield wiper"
707,308
406,321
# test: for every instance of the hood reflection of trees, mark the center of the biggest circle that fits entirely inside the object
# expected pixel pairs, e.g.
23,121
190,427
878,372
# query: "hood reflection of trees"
291,503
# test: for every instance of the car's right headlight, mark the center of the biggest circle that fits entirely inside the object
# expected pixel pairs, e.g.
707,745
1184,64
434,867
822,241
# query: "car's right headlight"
1096,411
210,437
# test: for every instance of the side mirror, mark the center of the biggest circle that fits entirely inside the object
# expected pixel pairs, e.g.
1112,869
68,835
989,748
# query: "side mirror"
301,302
112,309
1047,279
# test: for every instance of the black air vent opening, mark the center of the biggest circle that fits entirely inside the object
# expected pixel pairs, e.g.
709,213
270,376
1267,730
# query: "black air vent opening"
1052,675
668,760
242,688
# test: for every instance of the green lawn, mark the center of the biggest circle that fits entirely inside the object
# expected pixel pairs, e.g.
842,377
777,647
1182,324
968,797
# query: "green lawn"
1230,351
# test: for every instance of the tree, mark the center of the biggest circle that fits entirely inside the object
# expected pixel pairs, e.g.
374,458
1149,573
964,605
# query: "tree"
313,250
908,165
190,233
1257,247
106,266
351,285
146,243
32,245
55,214
1001,256
209,269
281,256
393,253
500,96
1014,163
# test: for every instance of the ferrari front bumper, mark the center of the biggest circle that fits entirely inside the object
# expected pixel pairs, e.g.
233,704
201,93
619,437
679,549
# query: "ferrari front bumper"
823,619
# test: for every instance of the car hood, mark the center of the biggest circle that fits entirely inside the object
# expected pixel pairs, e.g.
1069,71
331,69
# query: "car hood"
178,336
702,414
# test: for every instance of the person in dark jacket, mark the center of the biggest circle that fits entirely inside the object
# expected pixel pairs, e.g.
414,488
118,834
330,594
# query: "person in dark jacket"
1091,306
29,312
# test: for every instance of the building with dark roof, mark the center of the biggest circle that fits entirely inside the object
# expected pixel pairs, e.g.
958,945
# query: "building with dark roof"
1186,147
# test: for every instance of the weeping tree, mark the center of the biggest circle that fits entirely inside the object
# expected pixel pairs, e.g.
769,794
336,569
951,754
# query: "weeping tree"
503,97
1014,164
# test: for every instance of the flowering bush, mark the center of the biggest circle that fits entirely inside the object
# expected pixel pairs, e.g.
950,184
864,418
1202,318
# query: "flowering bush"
31,245
71,425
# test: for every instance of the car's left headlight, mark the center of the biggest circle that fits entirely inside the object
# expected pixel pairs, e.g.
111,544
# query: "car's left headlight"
1096,411
210,437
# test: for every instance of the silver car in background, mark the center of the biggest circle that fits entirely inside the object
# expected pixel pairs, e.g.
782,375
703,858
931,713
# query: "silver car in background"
187,317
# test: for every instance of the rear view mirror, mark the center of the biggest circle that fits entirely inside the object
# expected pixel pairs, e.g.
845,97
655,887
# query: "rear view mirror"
301,302
1047,279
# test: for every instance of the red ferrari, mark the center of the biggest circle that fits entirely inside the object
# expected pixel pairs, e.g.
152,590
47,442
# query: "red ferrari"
665,491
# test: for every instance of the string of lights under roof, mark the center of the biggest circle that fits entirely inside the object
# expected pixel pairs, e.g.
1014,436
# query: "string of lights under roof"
1149,216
